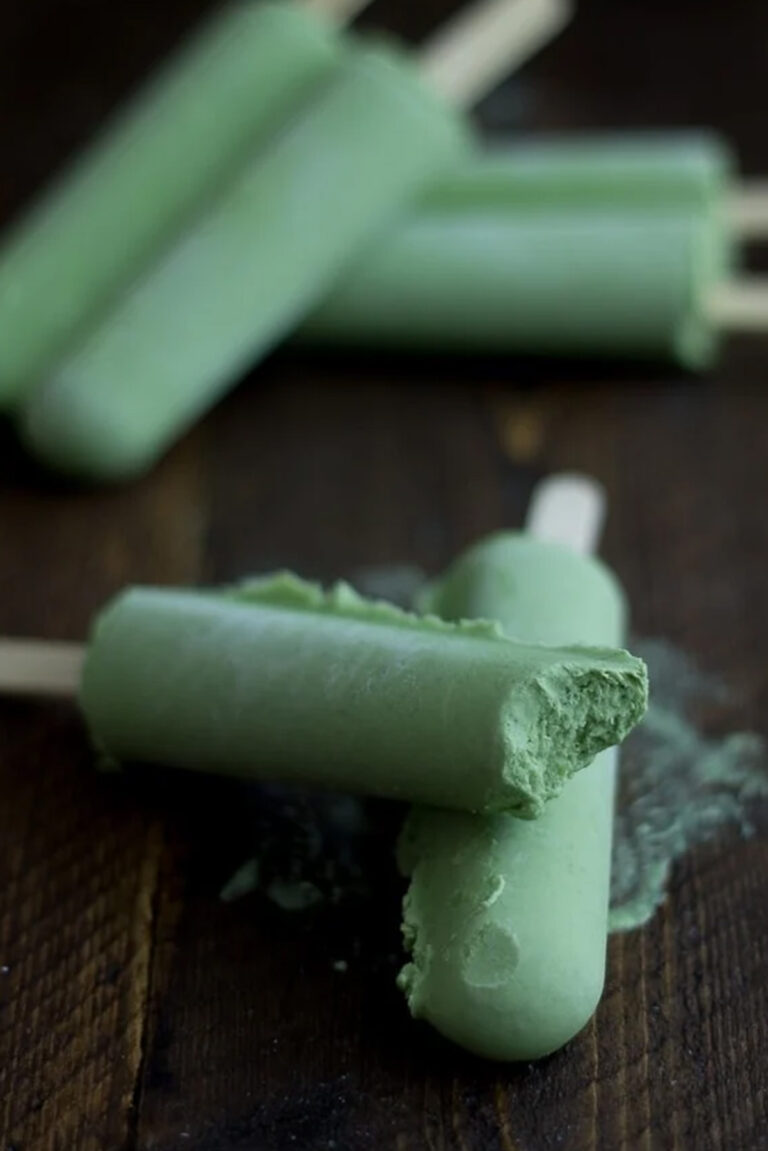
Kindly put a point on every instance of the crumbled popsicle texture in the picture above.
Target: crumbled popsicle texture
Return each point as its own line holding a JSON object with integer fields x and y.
{"x": 506, "y": 920}
{"x": 557, "y": 249}
{"x": 139, "y": 183}
{"x": 279, "y": 680}
{"x": 248, "y": 271}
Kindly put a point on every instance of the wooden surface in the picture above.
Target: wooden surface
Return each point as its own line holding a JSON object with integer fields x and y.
{"x": 139, "y": 1012}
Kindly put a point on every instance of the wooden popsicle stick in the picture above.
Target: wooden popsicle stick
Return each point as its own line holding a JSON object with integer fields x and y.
{"x": 740, "y": 305}
{"x": 40, "y": 667}
{"x": 747, "y": 209}
{"x": 485, "y": 42}
{"x": 568, "y": 509}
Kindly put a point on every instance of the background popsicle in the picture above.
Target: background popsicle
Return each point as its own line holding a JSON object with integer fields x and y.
{"x": 507, "y": 922}
{"x": 595, "y": 282}
{"x": 602, "y": 170}
{"x": 601, "y": 246}
{"x": 142, "y": 180}
{"x": 372, "y": 138}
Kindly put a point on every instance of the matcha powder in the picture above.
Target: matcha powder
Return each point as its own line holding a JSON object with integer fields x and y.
{"x": 679, "y": 787}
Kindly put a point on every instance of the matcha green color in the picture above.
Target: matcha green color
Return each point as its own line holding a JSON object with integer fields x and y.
{"x": 614, "y": 282}
{"x": 563, "y": 246}
{"x": 279, "y": 680}
{"x": 647, "y": 170}
{"x": 143, "y": 178}
{"x": 248, "y": 271}
{"x": 506, "y": 921}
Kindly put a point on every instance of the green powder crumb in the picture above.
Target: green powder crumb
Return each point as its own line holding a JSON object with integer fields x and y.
{"x": 294, "y": 894}
{"x": 243, "y": 882}
{"x": 679, "y": 786}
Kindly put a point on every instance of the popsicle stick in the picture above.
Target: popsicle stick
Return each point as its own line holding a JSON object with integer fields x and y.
{"x": 740, "y": 305}
{"x": 748, "y": 209}
{"x": 487, "y": 41}
{"x": 39, "y": 667}
{"x": 568, "y": 509}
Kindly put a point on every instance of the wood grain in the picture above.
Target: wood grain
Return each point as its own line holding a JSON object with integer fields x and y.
{"x": 80, "y": 856}
{"x": 137, "y": 1012}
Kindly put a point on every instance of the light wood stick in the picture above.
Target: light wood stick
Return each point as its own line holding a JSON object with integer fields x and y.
{"x": 568, "y": 509}
{"x": 486, "y": 42}
{"x": 740, "y": 305}
{"x": 39, "y": 667}
{"x": 747, "y": 209}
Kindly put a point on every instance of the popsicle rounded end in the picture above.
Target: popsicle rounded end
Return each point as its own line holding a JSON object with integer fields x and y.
{"x": 490, "y": 998}
{"x": 80, "y": 440}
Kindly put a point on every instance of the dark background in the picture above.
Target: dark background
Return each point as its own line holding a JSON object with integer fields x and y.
{"x": 136, "y": 1010}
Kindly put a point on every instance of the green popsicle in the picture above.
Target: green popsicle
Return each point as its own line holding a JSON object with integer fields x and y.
{"x": 583, "y": 282}
{"x": 583, "y": 246}
{"x": 246, "y": 273}
{"x": 142, "y": 180}
{"x": 279, "y": 680}
{"x": 648, "y": 170}
{"x": 506, "y": 920}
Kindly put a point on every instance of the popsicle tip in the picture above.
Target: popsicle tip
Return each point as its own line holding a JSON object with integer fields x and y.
{"x": 88, "y": 441}
{"x": 483, "y": 989}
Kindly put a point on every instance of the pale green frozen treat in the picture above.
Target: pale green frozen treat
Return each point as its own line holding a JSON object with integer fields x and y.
{"x": 565, "y": 246}
{"x": 617, "y": 282}
{"x": 141, "y": 181}
{"x": 279, "y": 680}
{"x": 245, "y": 275}
{"x": 506, "y": 921}
{"x": 648, "y": 170}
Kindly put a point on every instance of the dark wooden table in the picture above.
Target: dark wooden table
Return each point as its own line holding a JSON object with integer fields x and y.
{"x": 139, "y": 1012}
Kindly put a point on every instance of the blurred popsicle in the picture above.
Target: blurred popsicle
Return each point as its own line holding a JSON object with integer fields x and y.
{"x": 143, "y": 178}
{"x": 596, "y": 170}
{"x": 612, "y": 246}
{"x": 506, "y": 921}
{"x": 373, "y": 136}
{"x": 279, "y": 680}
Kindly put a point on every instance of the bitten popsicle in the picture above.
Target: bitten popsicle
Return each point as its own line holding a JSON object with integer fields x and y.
{"x": 376, "y": 134}
{"x": 143, "y": 179}
{"x": 278, "y": 680}
{"x": 506, "y": 921}
{"x": 592, "y": 247}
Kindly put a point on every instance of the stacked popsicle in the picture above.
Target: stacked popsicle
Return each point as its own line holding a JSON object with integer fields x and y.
{"x": 506, "y": 921}
{"x": 615, "y": 245}
{"x": 173, "y": 257}
{"x": 145, "y": 178}
{"x": 275, "y": 679}
{"x": 303, "y": 186}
